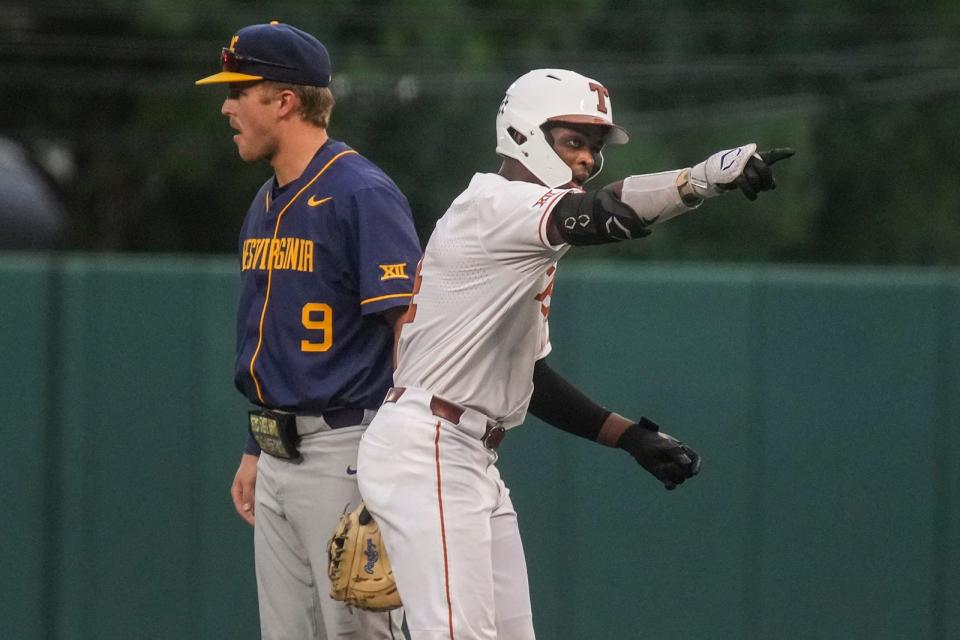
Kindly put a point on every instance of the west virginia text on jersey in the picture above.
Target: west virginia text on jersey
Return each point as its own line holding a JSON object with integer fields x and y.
{"x": 293, "y": 254}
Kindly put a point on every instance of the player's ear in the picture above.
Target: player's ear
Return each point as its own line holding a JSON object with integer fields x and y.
{"x": 288, "y": 102}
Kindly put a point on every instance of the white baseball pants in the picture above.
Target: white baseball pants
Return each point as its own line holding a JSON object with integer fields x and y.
{"x": 447, "y": 522}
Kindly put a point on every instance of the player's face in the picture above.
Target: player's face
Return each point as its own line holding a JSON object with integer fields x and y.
{"x": 578, "y": 147}
{"x": 250, "y": 109}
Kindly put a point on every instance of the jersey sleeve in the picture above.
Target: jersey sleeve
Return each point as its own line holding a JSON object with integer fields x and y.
{"x": 513, "y": 219}
{"x": 387, "y": 250}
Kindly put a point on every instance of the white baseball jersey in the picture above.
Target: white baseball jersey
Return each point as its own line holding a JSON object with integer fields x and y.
{"x": 478, "y": 319}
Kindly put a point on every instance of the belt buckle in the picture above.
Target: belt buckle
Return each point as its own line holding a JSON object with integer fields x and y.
{"x": 493, "y": 437}
{"x": 276, "y": 433}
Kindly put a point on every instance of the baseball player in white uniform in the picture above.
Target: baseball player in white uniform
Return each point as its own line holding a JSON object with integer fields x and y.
{"x": 471, "y": 354}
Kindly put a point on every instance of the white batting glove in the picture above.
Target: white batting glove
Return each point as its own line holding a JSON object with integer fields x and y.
{"x": 716, "y": 174}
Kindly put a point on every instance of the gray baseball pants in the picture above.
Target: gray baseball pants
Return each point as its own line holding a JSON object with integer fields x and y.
{"x": 298, "y": 505}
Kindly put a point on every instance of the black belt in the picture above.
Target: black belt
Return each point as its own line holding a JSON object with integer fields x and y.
{"x": 339, "y": 418}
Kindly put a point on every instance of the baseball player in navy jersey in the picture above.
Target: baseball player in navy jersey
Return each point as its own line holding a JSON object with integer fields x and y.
{"x": 472, "y": 352}
{"x": 326, "y": 254}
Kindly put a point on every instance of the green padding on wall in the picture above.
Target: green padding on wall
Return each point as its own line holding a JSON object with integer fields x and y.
{"x": 850, "y": 376}
{"x": 136, "y": 449}
{"x": 26, "y": 320}
{"x": 225, "y": 568}
{"x": 675, "y": 346}
{"x": 947, "y": 553}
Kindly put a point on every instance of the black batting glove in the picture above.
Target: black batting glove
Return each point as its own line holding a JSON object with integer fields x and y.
{"x": 757, "y": 175}
{"x": 666, "y": 458}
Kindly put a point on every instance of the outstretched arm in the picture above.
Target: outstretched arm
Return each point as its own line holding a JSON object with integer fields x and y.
{"x": 561, "y": 405}
{"x": 626, "y": 209}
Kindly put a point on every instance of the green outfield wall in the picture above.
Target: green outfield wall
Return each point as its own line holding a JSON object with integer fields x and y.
{"x": 825, "y": 403}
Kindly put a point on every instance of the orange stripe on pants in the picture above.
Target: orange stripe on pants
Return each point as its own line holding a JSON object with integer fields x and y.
{"x": 443, "y": 531}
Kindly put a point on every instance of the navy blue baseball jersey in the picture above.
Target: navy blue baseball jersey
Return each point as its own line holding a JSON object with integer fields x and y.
{"x": 319, "y": 259}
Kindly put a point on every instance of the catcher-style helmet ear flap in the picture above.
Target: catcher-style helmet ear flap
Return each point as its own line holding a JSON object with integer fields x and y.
{"x": 556, "y": 96}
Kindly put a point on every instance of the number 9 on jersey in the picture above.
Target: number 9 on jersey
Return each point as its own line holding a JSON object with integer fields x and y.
{"x": 317, "y": 316}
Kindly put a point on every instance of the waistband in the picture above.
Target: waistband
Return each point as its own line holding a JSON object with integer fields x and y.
{"x": 488, "y": 431}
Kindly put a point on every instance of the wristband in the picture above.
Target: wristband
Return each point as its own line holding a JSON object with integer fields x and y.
{"x": 685, "y": 188}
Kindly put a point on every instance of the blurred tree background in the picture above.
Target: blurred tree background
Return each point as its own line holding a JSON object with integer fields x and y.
{"x": 101, "y": 95}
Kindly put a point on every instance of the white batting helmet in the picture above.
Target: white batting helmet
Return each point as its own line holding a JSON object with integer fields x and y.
{"x": 542, "y": 96}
